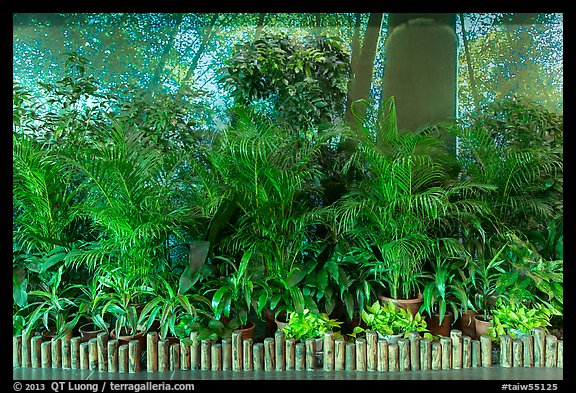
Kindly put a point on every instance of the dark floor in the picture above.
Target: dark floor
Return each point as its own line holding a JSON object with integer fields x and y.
{"x": 495, "y": 373}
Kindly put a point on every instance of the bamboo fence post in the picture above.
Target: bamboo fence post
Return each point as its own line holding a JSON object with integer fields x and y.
{"x": 350, "y": 357}
{"x": 152, "y": 352}
{"x": 290, "y": 353}
{"x": 414, "y": 338}
{"x": 269, "y": 355}
{"x": 75, "y": 353}
{"x": 175, "y": 356}
{"x": 371, "y": 351}
{"x": 456, "y": 337}
{"x": 194, "y": 352}
{"x": 404, "y": 354}
{"x": 466, "y": 351}
{"x": 46, "y": 353}
{"x": 216, "y": 357}
{"x": 300, "y": 357}
{"x": 280, "y": 350}
{"x": 517, "y": 353}
{"x": 446, "y": 346}
{"x": 476, "y": 354}
{"x": 328, "y": 348}
{"x": 102, "y": 341}
{"x": 340, "y": 354}
{"x": 123, "y": 358}
{"x": 360, "y": 354}
{"x": 486, "y": 350}
{"x": 17, "y": 351}
{"x": 26, "y": 359}
{"x": 393, "y": 362}
{"x": 113, "y": 355}
{"x": 133, "y": 356}
{"x": 247, "y": 356}
{"x": 56, "y": 353}
{"x": 505, "y": 351}
{"x": 227, "y": 354}
{"x": 184, "y": 356}
{"x": 425, "y": 354}
{"x": 65, "y": 352}
{"x": 163, "y": 355}
{"x": 539, "y": 347}
{"x": 560, "y": 357}
{"x": 436, "y": 355}
{"x": 310, "y": 354}
{"x": 551, "y": 350}
{"x": 528, "y": 347}
{"x": 383, "y": 355}
{"x": 93, "y": 354}
{"x": 205, "y": 351}
{"x": 84, "y": 356}
{"x": 35, "y": 351}
{"x": 258, "y": 350}
{"x": 237, "y": 351}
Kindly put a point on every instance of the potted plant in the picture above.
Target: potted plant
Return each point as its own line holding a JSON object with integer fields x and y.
{"x": 444, "y": 296}
{"x": 517, "y": 319}
{"x": 307, "y": 324}
{"x": 90, "y": 303}
{"x": 389, "y": 321}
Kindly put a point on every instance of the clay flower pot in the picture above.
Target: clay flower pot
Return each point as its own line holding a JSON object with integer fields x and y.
{"x": 408, "y": 304}
{"x": 482, "y": 325}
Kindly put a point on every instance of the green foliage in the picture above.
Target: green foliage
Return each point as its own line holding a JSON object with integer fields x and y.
{"x": 307, "y": 324}
{"x": 484, "y": 277}
{"x": 388, "y": 319}
{"x": 515, "y": 318}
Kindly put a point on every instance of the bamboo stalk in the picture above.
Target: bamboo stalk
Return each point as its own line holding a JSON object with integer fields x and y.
{"x": 517, "y": 353}
{"x": 551, "y": 350}
{"x": 350, "y": 357}
{"x": 26, "y": 358}
{"x": 184, "y": 356}
{"x": 505, "y": 351}
{"x": 248, "y": 354}
{"x": 75, "y": 353}
{"x": 56, "y": 353}
{"x": 269, "y": 355}
{"x": 290, "y": 353}
{"x": 66, "y": 361}
{"x": 310, "y": 354}
{"x": 237, "y": 351}
{"x": 175, "y": 356}
{"x": 476, "y": 354}
{"x": 300, "y": 357}
{"x": 280, "y": 350}
{"x": 46, "y": 354}
{"x": 404, "y": 354}
{"x": 35, "y": 351}
{"x": 226, "y": 354}
{"x": 466, "y": 351}
{"x": 436, "y": 349}
{"x": 152, "y": 352}
{"x": 113, "y": 355}
{"x": 84, "y": 356}
{"x": 216, "y": 357}
{"x": 560, "y": 357}
{"x": 393, "y": 362}
{"x": 93, "y": 353}
{"x": 425, "y": 354}
{"x": 17, "y": 351}
{"x": 486, "y": 350}
{"x": 258, "y": 354}
{"x": 122, "y": 358}
{"x": 456, "y": 337}
{"x": 539, "y": 347}
{"x": 340, "y": 354}
{"x": 414, "y": 338}
{"x": 328, "y": 349}
{"x": 360, "y": 354}
{"x": 194, "y": 352}
{"x": 205, "y": 352}
{"x": 102, "y": 341}
{"x": 383, "y": 355}
{"x": 163, "y": 354}
{"x": 446, "y": 347}
{"x": 528, "y": 346}
{"x": 134, "y": 356}
{"x": 371, "y": 351}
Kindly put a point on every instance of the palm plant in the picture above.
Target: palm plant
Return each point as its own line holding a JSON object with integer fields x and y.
{"x": 407, "y": 204}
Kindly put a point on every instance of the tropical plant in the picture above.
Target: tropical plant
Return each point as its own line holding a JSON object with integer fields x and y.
{"x": 387, "y": 319}
{"x": 515, "y": 318}
{"x": 484, "y": 278}
{"x": 307, "y": 324}
{"x": 208, "y": 328}
{"x": 90, "y": 302}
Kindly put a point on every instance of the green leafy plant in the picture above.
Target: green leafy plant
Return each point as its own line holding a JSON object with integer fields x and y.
{"x": 307, "y": 324}
{"x": 91, "y": 301}
{"x": 514, "y": 318}
{"x": 388, "y": 319}
{"x": 207, "y": 327}
{"x": 484, "y": 277}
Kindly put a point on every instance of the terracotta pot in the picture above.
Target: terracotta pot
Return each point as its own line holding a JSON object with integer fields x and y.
{"x": 124, "y": 338}
{"x": 50, "y": 334}
{"x": 247, "y": 330}
{"x": 482, "y": 325}
{"x": 281, "y": 320}
{"x": 466, "y": 324}
{"x": 89, "y": 331}
{"x": 439, "y": 329}
{"x": 408, "y": 304}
